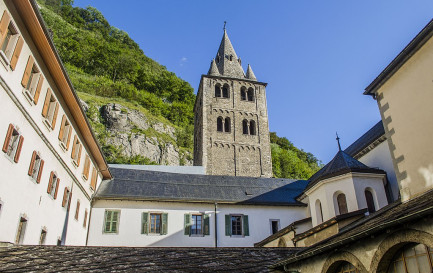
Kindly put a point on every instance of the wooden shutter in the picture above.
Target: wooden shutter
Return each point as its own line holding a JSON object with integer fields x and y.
{"x": 46, "y": 103}
{"x": 114, "y": 221}
{"x": 77, "y": 210}
{"x": 17, "y": 52}
{"x": 108, "y": 214}
{"x": 74, "y": 146}
{"x": 4, "y": 24}
{"x": 94, "y": 179}
{"x": 164, "y": 221}
{"x": 65, "y": 196}
{"x": 57, "y": 188}
{"x": 69, "y": 137}
{"x": 79, "y": 154}
{"x": 86, "y": 167}
{"x": 28, "y": 71}
{"x": 8, "y": 138}
{"x": 38, "y": 88}
{"x": 85, "y": 218}
{"x": 41, "y": 167}
{"x": 69, "y": 200}
{"x": 62, "y": 128}
{"x": 228, "y": 225}
{"x": 32, "y": 164}
{"x": 50, "y": 183}
{"x": 144, "y": 223}
{"x": 246, "y": 226}
{"x": 206, "y": 227}
{"x": 53, "y": 123}
{"x": 18, "y": 152}
{"x": 187, "y": 224}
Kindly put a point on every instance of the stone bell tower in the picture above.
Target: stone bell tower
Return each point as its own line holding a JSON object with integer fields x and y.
{"x": 231, "y": 131}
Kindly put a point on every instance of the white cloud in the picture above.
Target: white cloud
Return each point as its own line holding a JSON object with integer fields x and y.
{"x": 183, "y": 60}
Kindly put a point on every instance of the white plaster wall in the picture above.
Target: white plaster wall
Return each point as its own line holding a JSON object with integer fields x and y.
{"x": 324, "y": 191}
{"x": 375, "y": 182}
{"x": 380, "y": 157}
{"x": 129, "y": 233}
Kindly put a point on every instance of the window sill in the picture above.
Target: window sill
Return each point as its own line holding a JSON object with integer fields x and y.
{"x": 47, "y": 124}
{"x": 28, "y": 96}
{"x": 84, "y": 177}
{"x": 10, "y": 157}
{"x": 237, "y": 236}
{"x": 74, "y": 163}
{"x": 197, "y": 235}
{"x": 4, "y": 60}
{"x": 63, "y": 146}
{"x": 110, "y": 233}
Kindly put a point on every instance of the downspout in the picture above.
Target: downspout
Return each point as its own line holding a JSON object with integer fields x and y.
{"x": 216, "y": 231}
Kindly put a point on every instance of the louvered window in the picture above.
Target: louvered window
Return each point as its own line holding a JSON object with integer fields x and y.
{"x": 111, "y": 221}
{"x": 11, "y": 42}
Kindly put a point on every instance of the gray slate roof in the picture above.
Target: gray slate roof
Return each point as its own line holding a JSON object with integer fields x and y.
{"x": 366, "y": 139}
{"x": 161, "y": 186}
{"x": 130, "y": 259}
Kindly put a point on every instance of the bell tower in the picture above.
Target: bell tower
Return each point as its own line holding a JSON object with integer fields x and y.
{"x": 231, "y": 131}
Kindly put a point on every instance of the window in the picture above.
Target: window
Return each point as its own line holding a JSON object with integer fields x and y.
{"x": 319, "y": 214}
{"x": 275, "y": 226}
{"x": 85, "y": 218}
{"x": 243, "y": 93}
{"x": 217, "y": 90}
{"x": 66, "y": 197}
{"x": 94, "y": 179}
{"x": 43, "y": 237}
{"x": 245, "y": 127}
{"x": 36, "y": 167}
{"x": 77, "y": 210}
{"x": 111, "y": 221}
{"x": 231, "y": 57}
{"x": 227, "y": 125}
{"x": 250, "y": 94}
{"x": 21, "y": 231}
{"x": 10, "y": 41}
{"x": 219, "y": 124}
{"x": 226, "y": 91}
{"x": 76, "y": 151}
{"x": 50, "y": 109}
{"x": 346, "y": 267}
{"x": 370, "y": 201}
{"x": 13, "y": 143}
{"x": 32, "y": 81}
{"x": 53, "y": 185}
{"x": 196, "y": 224}
{"x": 252, "y": 127}
{"x": 412, "y": 258}
{"x": 342, "y": 204}
{"x": 154, "y": 223}
{"x": 86, "y": 167}
{"x": 237, "y": 225}
{"x": 65, "y": 133}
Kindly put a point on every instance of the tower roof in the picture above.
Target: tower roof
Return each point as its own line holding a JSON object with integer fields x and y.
{"x": 227, "y": 61}
{"x": 213, "y": 70}
{"x": 250, "y": 74}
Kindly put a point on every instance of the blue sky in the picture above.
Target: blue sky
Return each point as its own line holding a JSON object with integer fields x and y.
{"x": 317, "y": 56}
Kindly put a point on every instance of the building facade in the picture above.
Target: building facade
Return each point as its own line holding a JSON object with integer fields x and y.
{"x": 231, "y": 131}
{"x": 51, "y": 164}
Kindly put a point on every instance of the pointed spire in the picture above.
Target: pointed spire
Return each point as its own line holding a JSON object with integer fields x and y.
{"x": 338, "y": 141}
{"x": 227, "y": 60}
{"x": 213, "y": 70}
{"x": 250, "y": 74}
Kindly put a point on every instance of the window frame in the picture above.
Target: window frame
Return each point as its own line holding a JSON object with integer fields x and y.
{"x": 240, "y": 225}
{"x": 278, "y": 225}
{"x": 104, "y": 230}
{"x": 201, "y": 229}
{"x": 53, "y": 185}
{"x": 146, "y": 223}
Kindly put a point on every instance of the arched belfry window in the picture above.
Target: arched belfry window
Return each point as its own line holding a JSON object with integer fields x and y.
{"x": 370, "y": 201}
{"x": 219, "y": 124}
{"x": 250, "y": 94}
{"x": 342, "y": 203}
{"x": 218, "y": 90}
{"x": 319, "y": 214}
{"x": 227, "y": 125}
{"x": 226, "y": 91}
{"x": 243, "y": 93}
{"x": 252, "y": 127}
{"x": 245, "y": 127}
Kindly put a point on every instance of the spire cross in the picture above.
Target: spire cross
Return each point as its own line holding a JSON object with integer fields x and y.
{"x": 338, "y": 141}
{"x": 225, "y": 22}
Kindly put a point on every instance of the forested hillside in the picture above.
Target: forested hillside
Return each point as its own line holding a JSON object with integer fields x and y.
{"x": 140, "y": 112}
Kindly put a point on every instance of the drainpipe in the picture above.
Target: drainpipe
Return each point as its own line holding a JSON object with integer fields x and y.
{"x": 216, "y": 231}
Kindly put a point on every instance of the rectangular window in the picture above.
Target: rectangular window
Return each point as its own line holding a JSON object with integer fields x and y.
{"x": 94, "y": 179}
{"x": 36, "y": 166}
{"x": 86, "y": 167}
{"x": 65, "y": 133}
{"x": 43, "y": 237}
{"x": 32, "y": 81}
{"x": 13, "y": 143}
{"x": 66, "y": 197}
{"x": 77, "y": 210}
{"x": 237, "y": 225}
{"x": 154, "y": 223}
{"x": 21, "y": 231}
{"x": 76, "y": 151}
{"x": 10, "y": 41}
{"x": 53, "y": 185}
{"x": 111, "y": 221}
{"x": 85, "y": 218}
{"x": 196, "y": 224}
{"x": 275, "y": 226}
{"x": 50, "y": 109}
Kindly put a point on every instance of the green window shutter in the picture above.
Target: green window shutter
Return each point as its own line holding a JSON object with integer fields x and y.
{"x": 164, "y": 221}
{"x": 228, "y": 225}
{"x": 144, "y": 223}
{"x": 187, "y": 224}
{"x": 107, "y": 221}
{"x": 206, "y": 230}
{"x": 114, "y": 221}
{"x": 246, "y": 228}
